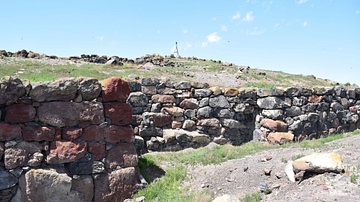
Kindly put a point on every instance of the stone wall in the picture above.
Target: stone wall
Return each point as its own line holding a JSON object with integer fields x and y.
{"x": 203, "y": 114}
{"x": 66, "y": 140}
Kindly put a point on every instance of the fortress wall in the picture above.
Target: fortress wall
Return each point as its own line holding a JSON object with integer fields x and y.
{"x": 66, "y": 140}
{"x": 203, "y": 114}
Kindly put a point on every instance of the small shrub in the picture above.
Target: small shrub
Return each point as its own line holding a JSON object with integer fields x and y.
{"x": 255, "y": 197}
{"x": 353, "y": 178}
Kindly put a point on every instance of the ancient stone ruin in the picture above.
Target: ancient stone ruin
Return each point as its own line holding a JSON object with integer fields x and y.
{"x": 203, "y": 114}
{"x": 82, "y": 137}
{"x": 66, "y": 140}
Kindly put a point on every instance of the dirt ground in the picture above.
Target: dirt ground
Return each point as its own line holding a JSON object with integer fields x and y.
{"x": 244, "y": 176}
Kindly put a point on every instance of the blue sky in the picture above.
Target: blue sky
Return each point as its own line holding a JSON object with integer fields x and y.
{"x": 318, "y": 37}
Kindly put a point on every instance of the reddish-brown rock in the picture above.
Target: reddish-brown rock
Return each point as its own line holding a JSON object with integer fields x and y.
{"x": 315, "y": 98}
{"x": 97, "y": 150}
{"x": 111, "y": 134}
{"x": 163, "y": 98}
{"x": 115, "y": 89}
{"x": 38, "y": 133}
{"x": 19, "y": 154}
{"x": 70, "y": 134}
{"x": 9, "y": 132}
{"x": 174, "y": 111}
{"x": 62, "y": 114}
{"x": 275, "y": 125}
{"x": 161, "y": 120}
{"x": 119, "y": 113}
{"x": 189, "y": 104}
{"x": 20, "y": 113}
{"x": 65, "y": 152}
{"x": 148, "y": 90}
{"x": 117, "y": 185}
{"x": 122, "y": 155}
{"x": 280, "y": 138}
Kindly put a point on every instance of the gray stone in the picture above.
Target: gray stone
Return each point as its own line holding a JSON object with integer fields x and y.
{"x": 293, "y": 92}
{"x": 11, "y": 89}
{"x": 335, "y": 106}
{"x": 84, "y": 186}
{"x": 309, "y": 107}
{"x": 190, "y": 113}
{"x": 182, "y": 85}
{"x": 156, "y": 107}
{"x": 150, "y": 131}
{"x": 202, "y": 93}
{"x": 273, "y": 114}
{"x": 258, "y": 135}
{"x": 19, "y": 154}
{"x": 223, "y": 113}
{"x": 293, "y": 111}
{"x": 149, "y": 81}
{"x": 204, "y": 112}
{"x": 299, "y": 101}
{"x": 134, "y": 86}
{"x": 61, "y": 90}
{"x": 89, "y": 88}
{"x": 219, "y": 101}
{"x": 189, "y": 125}
{"x": 80, "y": 167}
{"x": 340, "y": 91}
{"x": 313, "y": 117}
{"x": 204, "y": 102}
{"x": 244, "y": 108}
{"x": 47, "y": 186}
{"x": 98, "y": 167}
{"x": 323, "y": 106}
{"x": 231, "y": 123}
{"x": 137, "y": 99}
{"x": 7, "y": 180}
{"x": 271, "y": 103}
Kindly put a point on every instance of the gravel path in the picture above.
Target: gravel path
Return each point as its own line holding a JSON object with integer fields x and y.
{"x": 240, "y": 177}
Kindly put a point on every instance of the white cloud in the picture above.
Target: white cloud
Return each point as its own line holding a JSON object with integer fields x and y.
{"x": 224, "y": 28}
{"x": 305, "y": 23}
{"x": 256, "y": 32}
{"x": 277, "y": 25}
{"x": 204, "y": 44}
{"x": 213, "y": 37}
{"x": 100, "y": 38}
{"x": 357, "y": 12}
{"x": 301, "y": 1}
{"x": 185, "y": 31}
{"x": 248, "y": 17}
{"x": 236, "y": 16}
{"x": 187, "y": 45}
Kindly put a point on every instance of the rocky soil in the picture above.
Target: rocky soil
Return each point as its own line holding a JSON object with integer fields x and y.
{"x": 246, "y": 176}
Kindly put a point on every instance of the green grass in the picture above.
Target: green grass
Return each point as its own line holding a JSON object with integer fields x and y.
{"x": 170, "y": 187}
{"x": 297, "y": 156}
{"x": 353, "y": 178}
{"x": 255, "y": 197}
{"x": 319, "y": 143}
{"x": 261, "y": 85}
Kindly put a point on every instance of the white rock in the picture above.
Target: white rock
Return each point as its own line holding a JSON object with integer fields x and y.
{"x": 289, "y": 170}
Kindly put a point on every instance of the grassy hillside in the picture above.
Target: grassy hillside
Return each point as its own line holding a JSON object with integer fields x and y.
{"x": 213, "y": 72}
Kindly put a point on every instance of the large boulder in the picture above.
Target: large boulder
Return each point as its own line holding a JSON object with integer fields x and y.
{"x": 319, "y": 163}
{"x": 62, "y": 114}
{"x": 280, "y": 138}
{"x": 89, "y": 88}
{"x": 11, "y": 89}
{"x": 117, "y": 185}
{"x": 115, "y": 89}
{"x": 62, "y": 90}
{"x": 50, "y": 186}
{"x": 20, "y": 113}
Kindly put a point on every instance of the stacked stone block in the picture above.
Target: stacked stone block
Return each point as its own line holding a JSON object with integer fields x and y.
{"x": 231, "y": 115}
{"x": 66, "y": 140}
